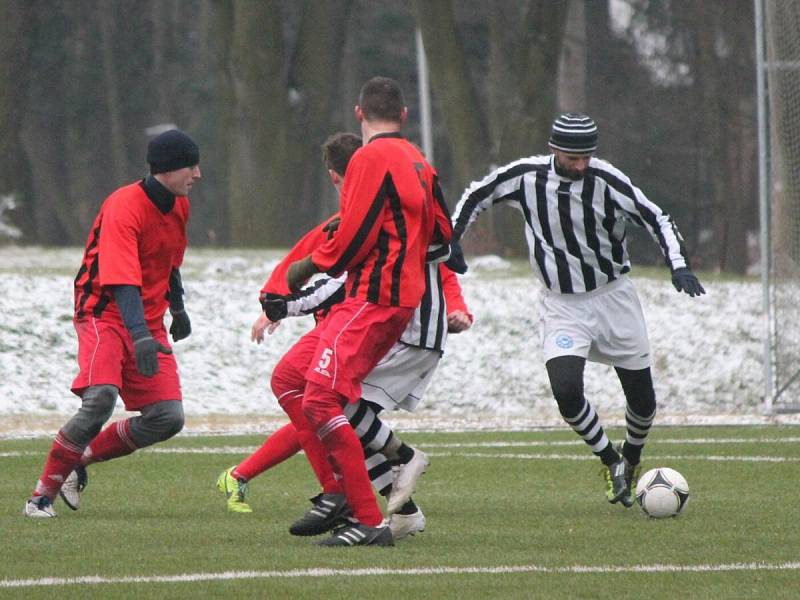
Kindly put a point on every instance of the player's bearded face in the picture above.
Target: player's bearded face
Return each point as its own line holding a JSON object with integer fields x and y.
{"x": 572, "y": 166}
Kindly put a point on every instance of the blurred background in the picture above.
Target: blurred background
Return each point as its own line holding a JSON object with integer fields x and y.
{"x": 260, "y": 84}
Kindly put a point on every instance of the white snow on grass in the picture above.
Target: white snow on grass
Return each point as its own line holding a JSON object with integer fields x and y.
{"x": 708, "y": 351}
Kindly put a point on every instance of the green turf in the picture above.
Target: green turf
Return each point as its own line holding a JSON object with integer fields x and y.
{"x": 159, "y": 514}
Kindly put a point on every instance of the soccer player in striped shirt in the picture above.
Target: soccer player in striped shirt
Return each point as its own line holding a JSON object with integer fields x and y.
{"x": 576, "y": 208}
{"x": 392, "y": 210}
{"x": 129, "y": 277}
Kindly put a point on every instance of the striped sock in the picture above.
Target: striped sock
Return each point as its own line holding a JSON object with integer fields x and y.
{"x": 587, "y": 425}
{"x": 114, "y": 441}
{"x": 637, "y": 428}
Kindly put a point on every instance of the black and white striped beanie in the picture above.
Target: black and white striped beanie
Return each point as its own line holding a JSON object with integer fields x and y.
{"x": 574, "y": 133}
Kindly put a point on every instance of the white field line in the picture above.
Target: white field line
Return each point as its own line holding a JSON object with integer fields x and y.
{"x": 373, "y": 572}
{"x": 519, "y": 444}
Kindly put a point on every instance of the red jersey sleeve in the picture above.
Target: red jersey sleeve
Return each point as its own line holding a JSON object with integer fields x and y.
{"x": 452, "y": 292}
{"x": 276, "y": 284}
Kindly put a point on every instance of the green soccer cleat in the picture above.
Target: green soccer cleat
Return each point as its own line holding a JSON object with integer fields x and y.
{"x": 234, "y": 490}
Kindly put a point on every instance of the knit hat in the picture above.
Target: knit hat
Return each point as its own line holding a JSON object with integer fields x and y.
{"x": 172, "y": 150}
{"x": 574, "y": 133}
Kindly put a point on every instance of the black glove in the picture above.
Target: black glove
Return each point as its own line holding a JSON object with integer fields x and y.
{"x": 299, "y": 272}
{"x": 456, "y": 262}
{"x": 274, "y": 307}
{"x": 181, "y": 327}
{"x": 147, "y": 350}
{"x": 685, "y": 281}
{"x": 331, "y": 226}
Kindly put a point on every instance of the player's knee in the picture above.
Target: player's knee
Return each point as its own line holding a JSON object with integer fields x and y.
{"x": 158, "y": 422}
{"x": 97, "y": 404}
{"x": 285, "y": 380}
{"x": 320, "y": 405}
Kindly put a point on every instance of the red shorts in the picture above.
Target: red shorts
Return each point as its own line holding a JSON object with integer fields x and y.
{"x": 106, "y": 357}
{"x": 353, "y": 338}
{"x": 290, "y": 372}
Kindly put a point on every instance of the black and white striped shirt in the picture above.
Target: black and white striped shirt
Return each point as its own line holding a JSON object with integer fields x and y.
{"x": 427, "y": 328}
{"x": 575, "y": 228}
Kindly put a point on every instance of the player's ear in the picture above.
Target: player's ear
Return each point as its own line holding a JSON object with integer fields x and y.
{"x": 336, "y": 179}
{"x": 359, "y": 113}
{"x": 403, "y": 115}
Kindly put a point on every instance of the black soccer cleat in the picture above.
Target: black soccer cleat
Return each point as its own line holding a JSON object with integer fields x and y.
{"x": 329, "y": 510}
{"x": 359, "y": 535}
{"x": 621, "y": 475}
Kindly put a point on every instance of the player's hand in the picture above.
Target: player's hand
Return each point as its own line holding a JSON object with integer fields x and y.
{"x": 331, "y": 226}
{"x": 686, "y": 281}
{"x": 181, "y": 327}
{"x": 458, "y": 321}
{"x": 262, "y": 324}
{"x": 456, "y": 262}
{"x": 299, "y": 272}
{"x": 147, "y": 349}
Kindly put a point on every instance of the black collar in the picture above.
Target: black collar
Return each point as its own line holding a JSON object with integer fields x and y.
{"x": 158, "y": 194}
{"x": 386, "y": 134}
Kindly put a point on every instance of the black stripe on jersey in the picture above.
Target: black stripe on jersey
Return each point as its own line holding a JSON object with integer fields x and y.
{"x": 438, "y": 195}
{"x": 562, "y": 267}
{"x": 396, "y": 207}
{"x": 356, "y": 278}
{"x": 375, "y": 209}
{"x": 538, "y": 251}
{"x": 374, "y": 288}
{"x": 571, "y": 240}
{"x": 590, "y": 223}
{"x": 93, "y": 270}
{"x": 425, "y": 307}
{"x": 441, "y": 322}
{"x": 610, "y": 209}
{"x": 646, "y": 214}
{"x": 98, "y": 309}
{"x": 482, "y": 192}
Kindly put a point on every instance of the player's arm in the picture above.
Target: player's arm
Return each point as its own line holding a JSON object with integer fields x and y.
{"x": 181, "y": 326}
{"x": 323, "y": 294}
{"x": 498, "y": 186}
{"x": 458, "y": 316}
{"x": 661, "y": 228}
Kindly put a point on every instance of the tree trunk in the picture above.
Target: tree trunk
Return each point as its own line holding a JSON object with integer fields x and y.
{"x": 259, "y": 206}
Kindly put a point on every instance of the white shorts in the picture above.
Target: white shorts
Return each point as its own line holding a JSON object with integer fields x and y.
{"x": 605, "y": 325}
{"x": 400, "y": 379}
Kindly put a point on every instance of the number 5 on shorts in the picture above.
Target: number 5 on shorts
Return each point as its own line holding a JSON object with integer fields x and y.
{"x": 324, "y": 362}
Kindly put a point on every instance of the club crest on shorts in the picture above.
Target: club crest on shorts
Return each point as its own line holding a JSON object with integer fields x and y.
{"x": 564, "y": 341}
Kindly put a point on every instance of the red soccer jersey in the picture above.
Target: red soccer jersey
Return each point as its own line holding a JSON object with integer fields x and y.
{"x": 392, "y": 209}
{"x": 131, "y": 243}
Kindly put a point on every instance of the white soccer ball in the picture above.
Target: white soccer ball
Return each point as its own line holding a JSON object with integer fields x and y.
{"x": 662, "y": 492}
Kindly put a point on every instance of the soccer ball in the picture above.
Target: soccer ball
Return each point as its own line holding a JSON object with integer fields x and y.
{"x": 662, "y": 492}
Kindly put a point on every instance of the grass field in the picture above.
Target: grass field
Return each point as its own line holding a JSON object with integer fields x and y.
{"x": 510, "y": 515}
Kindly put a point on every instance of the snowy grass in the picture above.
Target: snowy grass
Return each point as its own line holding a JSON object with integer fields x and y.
{"x": 708, "y": 351}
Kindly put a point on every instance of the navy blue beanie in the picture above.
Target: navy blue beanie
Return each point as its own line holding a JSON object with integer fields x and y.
{"x": 172, "y": 150}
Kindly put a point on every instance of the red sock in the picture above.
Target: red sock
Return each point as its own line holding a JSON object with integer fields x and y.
{"x": 323, "y": 407}
{"x": 316, "y": 453}
{"x": 64, "y": 456}
{"x": 114, "y": 441}
{"x": 279, "y": 446}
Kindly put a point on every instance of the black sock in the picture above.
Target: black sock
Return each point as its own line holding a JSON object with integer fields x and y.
{"x": 633, "y": 454}
{"x": 406, "y": 453}
{"x": 609, "y": 456}
{"x": 409, "y": 508}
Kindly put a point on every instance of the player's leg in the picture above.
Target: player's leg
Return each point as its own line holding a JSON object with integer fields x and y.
{"x": 278, "y": 446}
{"x": 97, "y": 404}
{"x": 640, "y": 413}
{"x": 383, "y": 450}
{"x": 566, "y": 382}
{"x": 323, "y": 408}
